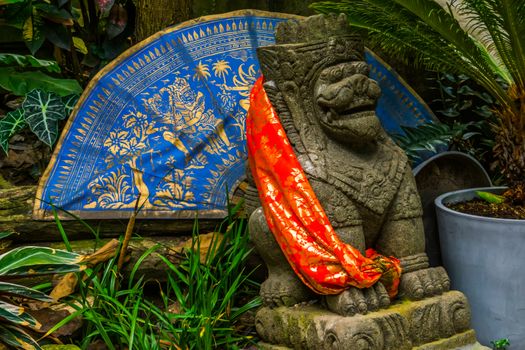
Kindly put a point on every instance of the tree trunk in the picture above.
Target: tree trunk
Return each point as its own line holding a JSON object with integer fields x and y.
{"x": 155, "y": 15}
{"x": 16, "y": 206}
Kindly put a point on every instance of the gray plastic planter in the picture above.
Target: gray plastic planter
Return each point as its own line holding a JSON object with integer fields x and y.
{"x": 485, "y": 259}
{"x": 444, "y": 172}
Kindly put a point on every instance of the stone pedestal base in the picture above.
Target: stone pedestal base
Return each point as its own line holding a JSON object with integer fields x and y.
{"x": 438, "y": 323}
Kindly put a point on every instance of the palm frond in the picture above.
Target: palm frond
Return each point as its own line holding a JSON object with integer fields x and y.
{"x": 496, "y": 28}
{"x": 512, "y": 13}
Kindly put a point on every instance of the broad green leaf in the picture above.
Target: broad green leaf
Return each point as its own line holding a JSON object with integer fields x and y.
{"x": 12, "y": 123}
{"x": 42, "y": 111}
{"x": 50, "y": 269}
{"x": 37, "y": 260}
{"x": 15, "y": 15}
{"x": 58, "y": 35}
{"x": 21, "y": 83}
{"x": 55, "y": 14}
{"x": 32, "y": 33}
{"x": 69, "y": 103}
{"x": 23, "y": 291}
{"x": 5, "y": 234}
{"x": 490, "y": 197}
{"x": 16, "y": 314}
{"x": 11, "y": 59}
{"x": 17, "y": 338}
{"x": 9, "y": 2}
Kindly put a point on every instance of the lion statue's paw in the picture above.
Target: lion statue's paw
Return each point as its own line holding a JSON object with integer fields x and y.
{"x": 284, "y": 290}
{"x": 358, "y": 301}
{"x": 424, "y": 283}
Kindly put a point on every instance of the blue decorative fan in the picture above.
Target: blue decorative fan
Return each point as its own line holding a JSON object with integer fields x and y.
{"x": 163, "y": 124}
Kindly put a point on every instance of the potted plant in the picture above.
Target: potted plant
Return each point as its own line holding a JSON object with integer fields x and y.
{"x": 485, "y": 41}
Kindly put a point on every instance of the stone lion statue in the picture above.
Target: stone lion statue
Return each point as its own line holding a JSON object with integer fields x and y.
{"x": 317, "y": 81}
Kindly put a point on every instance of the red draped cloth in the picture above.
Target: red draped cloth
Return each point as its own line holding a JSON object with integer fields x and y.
{"x": 296, "y": 218}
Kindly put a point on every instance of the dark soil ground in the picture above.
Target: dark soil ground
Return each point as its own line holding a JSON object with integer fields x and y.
{"x": 482, "y": 208}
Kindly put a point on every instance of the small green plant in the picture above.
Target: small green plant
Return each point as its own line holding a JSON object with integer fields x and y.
{"x": 430, "y": 138}
{"x": 490, "y": 197}
{"x": 199, "y": 307}
{"x": 41, "y": 111}
{"x": 117, "y": 316}
{"x": 500, "y": 344}
{"x": 211, "y": 293}
{"x": 47, "y": 100}
{"x": 463, "y": 101}
{"x": 83, "y": 33}
{"x": 25, "y": 261}
{"x": 464, "y": 121}
{"x": 20, "y": 74}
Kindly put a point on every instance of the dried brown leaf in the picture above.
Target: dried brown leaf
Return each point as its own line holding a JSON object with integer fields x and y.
{"x": 105, "y": 253}
{"x": 66, "y": 286}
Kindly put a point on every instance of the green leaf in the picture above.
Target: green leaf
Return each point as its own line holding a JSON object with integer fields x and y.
{"x": 31, "y": 32}
{"x": 17, "y": 315}
{"x": 23, "y": 291}
{"x": 16, "y": 14}
{"x": 426, "y": 137}
{"x": 500, "y": 344}
{"x": 5, "y": 234}
{"x": 9, "y": 2}
{"x": 490, "y": 197}
{"x": 38, "y": 260}
{"x": 55, "y": 14}
{"x": 58, "y": 35}
{"x": 10, "y": 59}
{"x": 80, "y": 45}
{"x": 69, "y": 103}
{"x": 42, "y": 111}
{"x": 21, "y": 83}
{"x": 17, "y": 338}
{"x": 47, "y": 269}
{"x": 12, "y": 123}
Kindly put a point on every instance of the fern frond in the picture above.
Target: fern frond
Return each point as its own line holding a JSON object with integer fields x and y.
{"x": 431, "y": 137}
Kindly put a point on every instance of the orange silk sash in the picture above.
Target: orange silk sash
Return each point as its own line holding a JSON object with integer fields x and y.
{"x": 296, "y": 218}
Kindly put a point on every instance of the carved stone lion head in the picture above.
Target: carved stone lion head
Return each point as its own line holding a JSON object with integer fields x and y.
{"x": 318, "y": 65}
